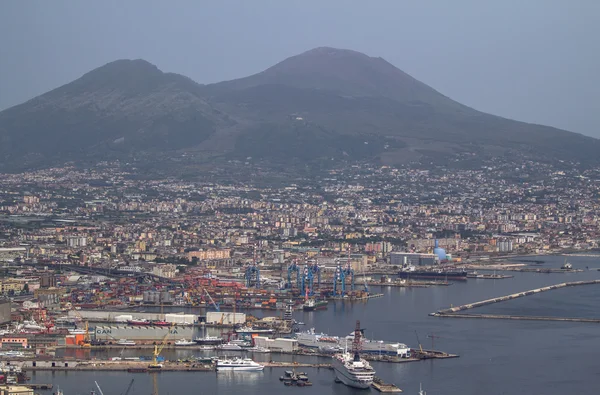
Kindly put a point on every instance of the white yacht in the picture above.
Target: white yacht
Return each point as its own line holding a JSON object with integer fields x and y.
{"x": 230, "y": 347}
{"x": 183, "y": 342}
{"x": 125, "y": 342}
{"x": 239, "y": 364}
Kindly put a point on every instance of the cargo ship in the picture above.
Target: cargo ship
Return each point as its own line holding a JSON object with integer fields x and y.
{"x": 433, "y": 274}
{"x": 312, "y": 304}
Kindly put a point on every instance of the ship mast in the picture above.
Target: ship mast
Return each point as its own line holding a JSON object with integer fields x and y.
{"x": 356, "y": 343}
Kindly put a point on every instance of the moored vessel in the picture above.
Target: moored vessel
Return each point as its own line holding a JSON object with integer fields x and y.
{"x": 350, "y": 368}
{"x": 434, "y": 274}
{"x": 312, "y": 304}
{"x": 209, "y": 340}
{"x": 239, "y": 364}
{"x": 183, "y": 342}
{"x": 125, "y": 342}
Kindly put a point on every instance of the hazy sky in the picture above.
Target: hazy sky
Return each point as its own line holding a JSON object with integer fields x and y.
{"x": 532, "y": 60}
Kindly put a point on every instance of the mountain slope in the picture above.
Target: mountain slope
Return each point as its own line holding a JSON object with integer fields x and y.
{"x": 320, "y": 105}
{"x": 122, "y": 106}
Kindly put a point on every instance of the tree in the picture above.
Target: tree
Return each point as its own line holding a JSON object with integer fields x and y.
{"x": 26, "y": 288}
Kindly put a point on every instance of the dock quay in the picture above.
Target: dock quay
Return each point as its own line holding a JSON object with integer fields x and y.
{"x": 355, "y": 299}
{"x": 451, "y": 312}
{"x": 409, "y": 284}
{"x": 523, "y": 317}
{"x": 382, "y": 386}
{"x": 39, "y": 386}
{"x": 140, "y": 366}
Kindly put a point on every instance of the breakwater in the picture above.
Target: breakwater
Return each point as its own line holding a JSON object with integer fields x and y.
{"x": 457, "y": 311}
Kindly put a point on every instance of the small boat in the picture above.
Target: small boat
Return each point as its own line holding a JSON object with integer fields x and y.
{"x": 161, "y": 323}
{"x": 206, "y": 348}
{"x": 183, "y": 342}
{"x": 138, "y": 322}
{"x": 300, "y": 323}
{"x": 566, "y": 265}
{"x": 259, "y": 349}
{"x": 125, "y": 342}
{"x": 421, "y": 392}
{"x": 230, "y": 347}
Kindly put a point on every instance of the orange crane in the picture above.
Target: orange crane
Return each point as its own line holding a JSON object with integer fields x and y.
{"x": 87, "y": 342}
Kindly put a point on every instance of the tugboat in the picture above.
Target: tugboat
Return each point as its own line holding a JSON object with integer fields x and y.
{"x": 312, "y": 304}
{"x": 566, "y": 265}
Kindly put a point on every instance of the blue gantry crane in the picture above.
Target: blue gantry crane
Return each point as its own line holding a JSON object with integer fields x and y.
{"x": 252, "y": 274}
{"x": 293, "y": 268}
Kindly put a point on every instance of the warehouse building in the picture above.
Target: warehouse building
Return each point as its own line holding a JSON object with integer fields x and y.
{"x": 277, "y": 345}
{"x": 225, "y": 318}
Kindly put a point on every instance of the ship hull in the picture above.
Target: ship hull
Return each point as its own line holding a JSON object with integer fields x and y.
{"x": 240, "y": 368}
{"x": 347, "y": 379}
{"x": 317, "y": 306}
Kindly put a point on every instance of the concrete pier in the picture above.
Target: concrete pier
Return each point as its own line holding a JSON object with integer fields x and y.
{"x": 452, "y": 312}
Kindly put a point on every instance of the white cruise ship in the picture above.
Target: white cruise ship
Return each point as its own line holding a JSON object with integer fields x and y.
{"x": 352, "y": 370}
{"x": 239, "y": 364}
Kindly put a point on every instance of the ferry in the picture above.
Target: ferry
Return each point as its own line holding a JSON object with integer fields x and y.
{"x": 239, "y": 364}
{"x": 329, "y": 344}
{"x": 125, "y": 342}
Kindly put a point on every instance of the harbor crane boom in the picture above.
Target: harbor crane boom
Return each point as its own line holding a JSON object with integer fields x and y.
{"x": 129, "y": 387}
{"x": 419, "y": 341}
{"x": 99, "y": 389}
{"x": 158, "y": 349}
{"x": 211, "y": 300}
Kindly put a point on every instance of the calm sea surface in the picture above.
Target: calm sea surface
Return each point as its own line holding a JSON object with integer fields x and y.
{"x": 496, "y": 356}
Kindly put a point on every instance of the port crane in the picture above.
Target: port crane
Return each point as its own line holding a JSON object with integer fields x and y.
{"x": 419, "y": 341}
{"x": 293, "y": 268}
{"x": 211, "y": 300}
{"x": 99, "y": 389}
{"x": 252, "y": 275}
{"x": 158, "y": 349}
{"x": 87, "y": 342}
{"x": 128, "y": 387}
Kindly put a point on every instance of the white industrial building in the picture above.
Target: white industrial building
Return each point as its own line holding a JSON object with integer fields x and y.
{"x": 225, "y": 318}
{"x": 278, "y": 345}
